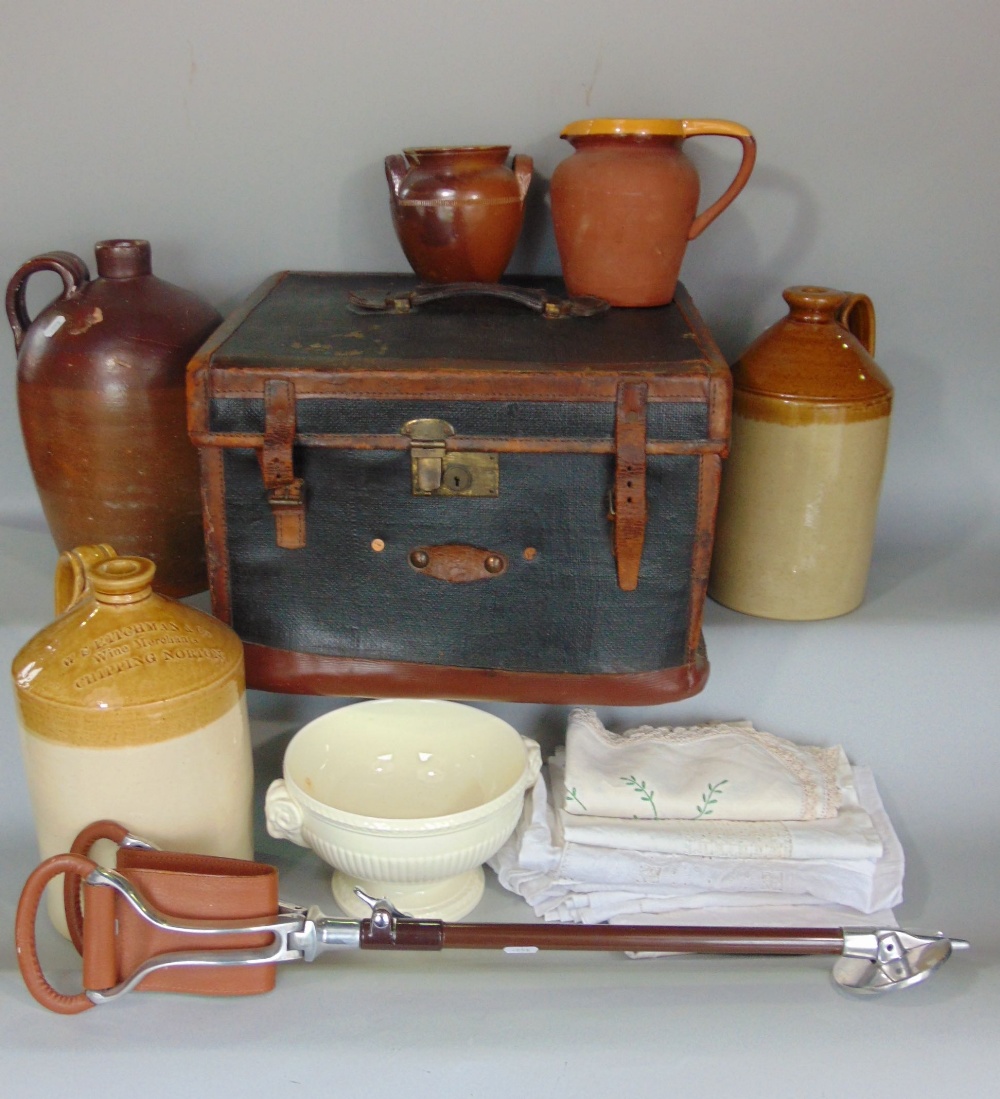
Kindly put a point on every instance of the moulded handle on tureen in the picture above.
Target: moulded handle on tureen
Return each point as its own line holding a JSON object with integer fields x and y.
{"x": 533, "y": 766}
{"x": 283, "y": 816}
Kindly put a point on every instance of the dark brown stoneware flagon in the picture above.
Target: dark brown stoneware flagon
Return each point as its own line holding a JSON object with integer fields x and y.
{"x": 458, "y": 210}
{"x": 100, "y": 389}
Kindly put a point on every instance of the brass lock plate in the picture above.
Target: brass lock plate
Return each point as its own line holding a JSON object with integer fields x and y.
{"x": 464, "y": 474}
{"x": 435, "y": 471}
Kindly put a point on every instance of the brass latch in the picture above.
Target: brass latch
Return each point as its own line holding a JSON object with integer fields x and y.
{"x": 436, "y": 471}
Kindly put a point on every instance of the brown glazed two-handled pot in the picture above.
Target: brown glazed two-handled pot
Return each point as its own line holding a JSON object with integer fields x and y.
{"x": 101, "y": 396}
{"x": 624, "y": 205}
{"x": 458, "y": 210}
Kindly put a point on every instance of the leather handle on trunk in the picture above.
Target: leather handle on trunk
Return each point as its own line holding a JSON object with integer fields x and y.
{"x": 539, "y": 301}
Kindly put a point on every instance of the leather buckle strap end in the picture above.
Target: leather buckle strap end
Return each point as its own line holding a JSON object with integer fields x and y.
{"x": 285, "y": 491}
{"x": 630, "y": 507}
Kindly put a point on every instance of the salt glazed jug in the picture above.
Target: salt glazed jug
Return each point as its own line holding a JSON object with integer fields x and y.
{"x": 624, "y": 204}
{"x": 800, "y": 489}
{"x": 101, "y": 396}
{"x": 132, "y": 707}
{"x": 458, "y": 210}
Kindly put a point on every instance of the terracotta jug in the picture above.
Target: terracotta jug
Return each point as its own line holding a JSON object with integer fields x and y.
{"x": 100, "y": 389}
{"x": 132, "y": 707}
{"x": 800, "y": 488}
{"x": 458, "y": 210}
{"x": 624, "y": 205}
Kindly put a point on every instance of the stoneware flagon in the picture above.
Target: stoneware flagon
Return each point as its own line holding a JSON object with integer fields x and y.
{"x": 132, "y": 707}
{"x": 624, "y": 204}
{"x": 458, "y": 210}
{"x": 101, "y": 396}
{"x": 801, "y": 486}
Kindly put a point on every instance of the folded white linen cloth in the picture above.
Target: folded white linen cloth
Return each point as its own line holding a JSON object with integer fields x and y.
{"x": 849, "y": 835}
{"x": 722, "y": 771}
{"x": 566, "y": 880}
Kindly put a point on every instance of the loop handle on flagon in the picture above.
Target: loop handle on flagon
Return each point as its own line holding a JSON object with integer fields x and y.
{"x": 871, "y": 960}
{"x": 69, "y": 267}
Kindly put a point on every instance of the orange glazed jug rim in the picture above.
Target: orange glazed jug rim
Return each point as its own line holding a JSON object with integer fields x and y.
{"x": 626, "y": 127}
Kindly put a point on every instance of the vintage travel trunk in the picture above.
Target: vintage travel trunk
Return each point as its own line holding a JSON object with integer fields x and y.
{"x": 474, "y": 498}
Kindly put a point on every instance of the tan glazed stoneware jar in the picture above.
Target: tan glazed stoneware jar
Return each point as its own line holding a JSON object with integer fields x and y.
{"x": 132, "y": 707}
{"x": 801, "y": 486}
{"x": 625, "y": 204}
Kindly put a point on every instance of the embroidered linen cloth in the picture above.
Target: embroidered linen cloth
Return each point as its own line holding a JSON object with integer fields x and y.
{"x": 851, "y": 834}
{"x": 567, "y": 880}
{"x": 723, "y": 771}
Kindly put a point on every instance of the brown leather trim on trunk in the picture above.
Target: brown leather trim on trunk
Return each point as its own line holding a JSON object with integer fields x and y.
{"x": 213, "y": 516}
{"x": 199, "y": 369}
{"x": 709, "y": 480}
{"x": 309, "y": 673}
{"x": 720, "y": 382}
{"x": 399, "y": 379}
{"x": 478, "y": 444}
{"x": 630, "y": 481}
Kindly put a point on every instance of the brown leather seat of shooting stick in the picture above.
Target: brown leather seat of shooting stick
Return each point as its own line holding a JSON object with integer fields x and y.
{"x": 115, "y": 940}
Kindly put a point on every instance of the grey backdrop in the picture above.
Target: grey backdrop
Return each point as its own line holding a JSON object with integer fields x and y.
{"x": 246, "y": 138}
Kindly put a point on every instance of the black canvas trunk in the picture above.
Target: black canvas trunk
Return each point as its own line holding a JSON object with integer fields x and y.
{"x": 468, "y": 499}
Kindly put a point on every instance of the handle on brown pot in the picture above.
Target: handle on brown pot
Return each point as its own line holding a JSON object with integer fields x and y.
{"x": 395, "y": 172}
{"x": 718, "y": 127}
{"x": 69, "y": 267}
{"x": 524, "y": 167}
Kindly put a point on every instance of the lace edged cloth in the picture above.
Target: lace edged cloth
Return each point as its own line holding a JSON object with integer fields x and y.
{"x": 721, "y": 771}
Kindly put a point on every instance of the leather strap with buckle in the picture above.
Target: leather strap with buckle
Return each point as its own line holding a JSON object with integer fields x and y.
{"x": 285, "y": 491}
{"x": 629, "y": 499}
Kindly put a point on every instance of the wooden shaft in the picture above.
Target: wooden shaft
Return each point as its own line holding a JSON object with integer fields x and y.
{"x": 690, "y": 940}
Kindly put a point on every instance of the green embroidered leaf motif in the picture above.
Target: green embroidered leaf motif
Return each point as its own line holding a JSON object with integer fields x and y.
{"x": 708, "y": 799}
{"x": 571, "y": 795}
{"x": 645, "y": 794}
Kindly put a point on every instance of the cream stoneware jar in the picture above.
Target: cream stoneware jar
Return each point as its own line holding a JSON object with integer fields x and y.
{"x": 800, "y": 489}
{"x": 132, "y": 707}
{"x": 406, "y": 799}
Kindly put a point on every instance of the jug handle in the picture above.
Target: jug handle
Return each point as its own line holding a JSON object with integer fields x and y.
{"x": 524, "y": 166}
{"x": 69, "y": 267}
{"x": 71, "y": 580}
{"x": 857, "y": 315}
{"x": 717, "y": 127}
{"x": 395, "y": 172}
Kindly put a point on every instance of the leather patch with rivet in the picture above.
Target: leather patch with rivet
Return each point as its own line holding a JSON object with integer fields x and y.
{"x": 458, "y": 564}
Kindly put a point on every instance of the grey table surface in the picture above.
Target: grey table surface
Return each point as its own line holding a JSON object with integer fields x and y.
{"x": 908, "y": 684}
